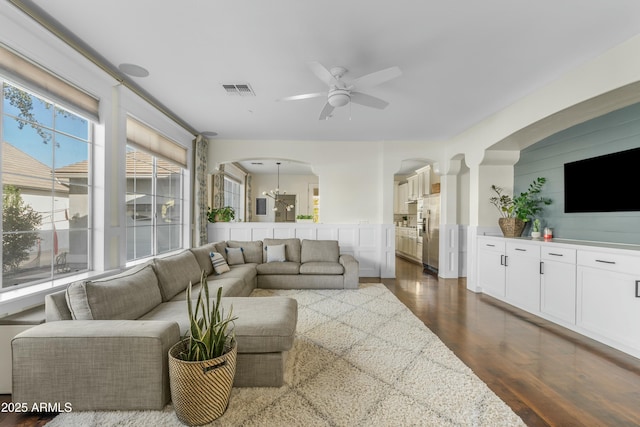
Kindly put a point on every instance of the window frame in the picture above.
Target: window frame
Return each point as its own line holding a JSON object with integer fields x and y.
{"x": 56, "y": 273}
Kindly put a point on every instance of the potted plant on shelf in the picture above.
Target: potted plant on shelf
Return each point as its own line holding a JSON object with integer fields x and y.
{"x": 517, "y": 211}
{"x": 224, "y": 214}
{"x": 202, "y": 366}
{"x": 535, "y": 229}
{"x": 304, "y": 218}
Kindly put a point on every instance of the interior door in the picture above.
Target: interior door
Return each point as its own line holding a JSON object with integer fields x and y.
{"x": 282, "y": 214}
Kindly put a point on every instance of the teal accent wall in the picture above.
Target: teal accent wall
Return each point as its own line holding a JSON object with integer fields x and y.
{"x": 616, "y": 131}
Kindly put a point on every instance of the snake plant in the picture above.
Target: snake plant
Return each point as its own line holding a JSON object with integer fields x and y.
{"x": 209, "y": 335}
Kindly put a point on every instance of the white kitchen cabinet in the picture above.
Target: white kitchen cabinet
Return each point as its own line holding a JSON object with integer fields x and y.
{"x": 491, "y": 266}
{"x": 407, "y": 243}
{"x": 608, "y": 297}
{"x": 558, "y": 283}
{"x": 523, "y": 275}
{"x": 424, "y": 181}
{"x": 412, "y": 183}
{"x": 403, "y": 196}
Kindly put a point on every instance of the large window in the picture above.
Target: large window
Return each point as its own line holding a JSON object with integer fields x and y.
{"x": 46, "y": 189}
{"x": 155, "y": 200}
{"x": 232, "y": 195}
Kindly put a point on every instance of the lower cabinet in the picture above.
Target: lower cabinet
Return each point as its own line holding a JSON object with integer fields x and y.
{"x": 608, "y": 298}
{"x": 558, "y": 284}
{"x": 491, "y": 266}
{"x": 523, "y": 275}
{"x": 592, "y": 290}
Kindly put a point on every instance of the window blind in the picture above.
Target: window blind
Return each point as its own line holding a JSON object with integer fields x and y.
{"x": 28, "y": 74}
{"x": 150, "y": 140}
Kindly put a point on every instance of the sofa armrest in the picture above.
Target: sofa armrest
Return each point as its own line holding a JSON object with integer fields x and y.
{"x": 94, "y": 364}
{"x": 351, "y": 271}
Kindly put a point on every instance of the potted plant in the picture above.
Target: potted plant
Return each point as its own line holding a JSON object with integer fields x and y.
{"x": 224, "y": 214}
{"x": 535, "y": 229}
{"x": 304, "y": 218}
{"x": 518, "y": 210}
{"x": 202, "y": 366}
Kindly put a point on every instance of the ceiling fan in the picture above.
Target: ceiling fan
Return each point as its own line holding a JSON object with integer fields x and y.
{"x": 341, "y": 93}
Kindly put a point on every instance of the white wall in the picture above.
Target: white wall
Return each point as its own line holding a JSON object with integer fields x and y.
{"x": 355, "y": 178}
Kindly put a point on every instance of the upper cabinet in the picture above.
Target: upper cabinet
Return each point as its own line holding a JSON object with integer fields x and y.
{"x": 401, "y": 199}
{"x": 412, "y": 183}
{"x": 423, "y": 179}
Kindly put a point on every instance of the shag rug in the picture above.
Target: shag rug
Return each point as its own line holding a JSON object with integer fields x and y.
{"x": 360, "y": 358}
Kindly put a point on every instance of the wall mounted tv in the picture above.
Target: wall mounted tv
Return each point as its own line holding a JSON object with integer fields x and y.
{"x": 603, "y": 184}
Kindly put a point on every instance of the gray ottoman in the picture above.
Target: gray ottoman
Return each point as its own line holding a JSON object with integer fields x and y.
{"x": 265, "y": 330}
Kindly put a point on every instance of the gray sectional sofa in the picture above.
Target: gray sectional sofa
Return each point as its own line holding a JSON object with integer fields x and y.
{"x": 104, "y": 345}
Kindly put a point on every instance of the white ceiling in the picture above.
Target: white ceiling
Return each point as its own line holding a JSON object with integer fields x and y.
{"x": 461, "y": 60}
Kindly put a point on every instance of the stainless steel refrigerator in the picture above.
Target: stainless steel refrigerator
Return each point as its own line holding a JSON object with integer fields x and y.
{"x": 431, "y": 233}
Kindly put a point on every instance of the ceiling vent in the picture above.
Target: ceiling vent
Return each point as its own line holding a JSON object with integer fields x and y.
{"x": 238, "y": 89}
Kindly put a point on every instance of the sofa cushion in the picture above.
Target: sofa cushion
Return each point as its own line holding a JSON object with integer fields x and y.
{"x": 175, "y": 272}
{"x": 319, "y": 251}
{"x": 235, "y": 256}
{"x": 231, "y": 287}
{"x": 252, "y": 250}
{"x": 264, "y": 324}
{"x": 286, "y": 267}
{"x": 125, "y": 296}
{"x": 321, "y": 268}
{"x": 202, "y": 255}
{"x": 291, "y": 248}
{"x": 218, "y": 262}
{"x": 275, "y": 253}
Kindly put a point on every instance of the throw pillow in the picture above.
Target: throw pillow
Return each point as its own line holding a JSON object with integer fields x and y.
{"x": 275, "y": 253}
{"x": 235, "y": 256}
{"x": 219, "y": 264}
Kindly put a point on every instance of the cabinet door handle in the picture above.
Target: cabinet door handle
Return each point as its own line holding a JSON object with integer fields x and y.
{"x": 541, "y": 267}
{"x": 492, "y": 246}
{"x": 637, "y": 289}
{"x": 521, "y": 250}
{"x": 605, "y": 261}
{"x": 505, "y": 260}
{"x": 501, "y": 259}
{"x": 551, "y": 253}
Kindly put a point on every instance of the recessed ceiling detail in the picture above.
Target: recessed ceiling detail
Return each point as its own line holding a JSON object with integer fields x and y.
{"x": 241, "y": 89}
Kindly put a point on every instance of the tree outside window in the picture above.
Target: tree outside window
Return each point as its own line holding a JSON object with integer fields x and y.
{"x": 46, "y": 185}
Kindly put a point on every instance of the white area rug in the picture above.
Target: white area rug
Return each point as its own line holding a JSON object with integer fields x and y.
{"x": 360, "y": 358}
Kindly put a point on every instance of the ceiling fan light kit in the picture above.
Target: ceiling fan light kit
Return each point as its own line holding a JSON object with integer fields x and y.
{"x": 339, "y": 98}
{"x": 340, "y": 93}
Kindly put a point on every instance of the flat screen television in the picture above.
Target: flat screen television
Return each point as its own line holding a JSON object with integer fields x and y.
{"x": 606, "y": 183}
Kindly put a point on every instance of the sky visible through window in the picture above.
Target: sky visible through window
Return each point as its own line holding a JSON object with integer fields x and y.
{"x": 68, "y": 140}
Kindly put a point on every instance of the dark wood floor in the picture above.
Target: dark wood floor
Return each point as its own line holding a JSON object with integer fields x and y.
{"x": 549, "y": 376}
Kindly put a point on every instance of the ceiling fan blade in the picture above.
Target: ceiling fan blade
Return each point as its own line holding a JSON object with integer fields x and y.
{"x": 368, "y": 100}
{"x": 303, "y": 96}
{"x": 374, "y": 79}
{"x": 326, "y": 112}
{"x": 322, "y": 72}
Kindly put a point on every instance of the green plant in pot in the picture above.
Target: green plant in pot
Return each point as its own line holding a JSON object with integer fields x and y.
{"x": 535, "y": 229}
{"x": 202, "y": 366}
{"x": 223, "y": 214}
{"x": 304, "y": 218}
{"x": 518, "y": 210}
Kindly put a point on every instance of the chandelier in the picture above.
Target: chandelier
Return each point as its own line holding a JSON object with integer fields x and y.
{"x": 275, "y": 195}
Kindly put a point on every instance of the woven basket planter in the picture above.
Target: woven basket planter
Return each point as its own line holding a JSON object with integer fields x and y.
{"x": 511, "y": 227}
{"x": 200, "y": 390}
